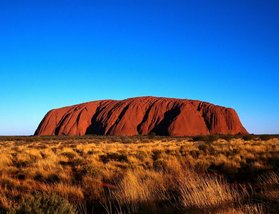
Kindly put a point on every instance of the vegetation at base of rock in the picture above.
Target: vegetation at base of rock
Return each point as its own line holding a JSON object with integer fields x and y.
{"x": 95, "y": 174}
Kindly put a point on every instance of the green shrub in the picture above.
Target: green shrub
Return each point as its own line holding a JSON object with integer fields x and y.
{"x": 206, "y": 138}
{"x": 69, "y": 155}
{"x": 141, "y": 155}
{"x": 159, "y": 164}
{"x": 53, "y": 178}
{"x": 126, "y": 140}
{"x": 156, "y": 154}
{"x": 41, "y": 203}
{"x": 266, "y": 137}
{"x": 200, "y": 138}
{"x": 227, "y": 137}
{"x": 248, "y": 137}
{"x": 114, "y": 157}
{"x": 203, "y": 147}
{"x": 152, "y": 135}
{"x": 212, "y": 138}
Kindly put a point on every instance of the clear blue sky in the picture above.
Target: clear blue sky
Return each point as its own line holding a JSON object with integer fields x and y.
{"x": 57, "y": 53}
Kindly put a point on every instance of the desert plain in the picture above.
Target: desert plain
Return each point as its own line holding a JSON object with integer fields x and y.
{"x": 140, "y": 174}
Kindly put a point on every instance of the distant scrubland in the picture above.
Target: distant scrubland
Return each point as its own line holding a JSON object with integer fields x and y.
{"x": 93, "y": 174}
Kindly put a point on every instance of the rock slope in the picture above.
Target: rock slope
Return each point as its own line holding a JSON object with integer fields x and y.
{"x": 142, "y": 116}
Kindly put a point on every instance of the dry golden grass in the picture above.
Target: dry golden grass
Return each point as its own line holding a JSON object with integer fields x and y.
{"x": 246, "y": 209}
{"x": 205, "y": 192}
{"x": 142, "y": 175}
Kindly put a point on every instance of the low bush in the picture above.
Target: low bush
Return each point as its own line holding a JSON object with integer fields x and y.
{"x": 42, "y": 203}
{"x": 249, "y": 137}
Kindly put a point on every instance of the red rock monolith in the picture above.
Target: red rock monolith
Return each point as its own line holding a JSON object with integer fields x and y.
{"x": 142, "y": 116}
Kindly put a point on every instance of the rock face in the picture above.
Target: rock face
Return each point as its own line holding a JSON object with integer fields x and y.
{"x": 142, "y": 116}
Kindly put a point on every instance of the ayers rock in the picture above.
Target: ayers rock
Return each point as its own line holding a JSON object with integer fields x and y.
{"x": 142, "y": 116}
